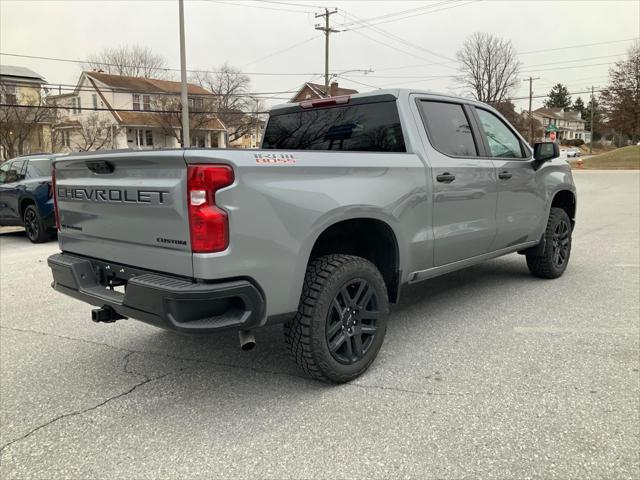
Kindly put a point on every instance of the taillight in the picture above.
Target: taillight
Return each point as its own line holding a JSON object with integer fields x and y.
{"x": 209, "y": 225}
{"x": 326, "y": 102}
{"x": 55, "y": 197}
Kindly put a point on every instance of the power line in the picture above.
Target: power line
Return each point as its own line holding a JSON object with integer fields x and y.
{"x": 69, "y": 60}
{"x": 222, "y": 2}
{"x": 397, "y": 38}
{"x": 394, "y": 14}
{"x": 279, "y": 52}
{"x": 103, "y": 109}
{"x": 521, "y": 53}
{"x": 73, "y": 88}
{"x": 577, "y": 46}
{"x": 424, "y": 13}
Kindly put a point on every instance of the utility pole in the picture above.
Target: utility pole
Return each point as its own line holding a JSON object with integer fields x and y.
{"x": 327, "y": 31}
{"x": 530, "y": 107}
{"x": 592, "y": 109}
{"x": 184, "y": 98}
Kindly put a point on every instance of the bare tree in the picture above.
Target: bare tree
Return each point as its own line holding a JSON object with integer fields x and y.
{"x": 22, "y": 121}
{"x": 489, "y": 67}
{"x": 168, "y": 116}
{"x": 231, "y": 88}
{"x": 621, "y": 98}
{"x": 93, "y": 133}
{"x": 132, "y": 61}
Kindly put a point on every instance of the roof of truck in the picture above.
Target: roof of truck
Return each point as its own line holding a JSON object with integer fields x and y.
{"x": 395, "y": 92}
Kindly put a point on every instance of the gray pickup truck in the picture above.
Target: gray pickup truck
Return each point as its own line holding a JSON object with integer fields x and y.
{"x": 348, "y": 200}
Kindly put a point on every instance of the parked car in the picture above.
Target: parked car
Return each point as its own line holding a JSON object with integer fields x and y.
{"x": 26, "y": 196}
{"x": 349, "y": 199}
{"x": 573, "y": 152}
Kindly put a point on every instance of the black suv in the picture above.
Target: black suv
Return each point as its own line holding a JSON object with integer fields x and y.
{"x": 26, "y": 196}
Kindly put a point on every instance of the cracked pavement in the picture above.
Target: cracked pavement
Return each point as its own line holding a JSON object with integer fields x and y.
{"x": 484, "y": 373}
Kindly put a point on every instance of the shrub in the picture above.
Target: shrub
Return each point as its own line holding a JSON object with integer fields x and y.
{"x": 576, "y": 142}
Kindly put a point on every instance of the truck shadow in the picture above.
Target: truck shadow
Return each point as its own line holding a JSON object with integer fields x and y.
{"x": 420, "y": 307}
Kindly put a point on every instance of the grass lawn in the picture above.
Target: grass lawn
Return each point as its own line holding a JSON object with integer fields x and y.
{"x": 622, "y": 158}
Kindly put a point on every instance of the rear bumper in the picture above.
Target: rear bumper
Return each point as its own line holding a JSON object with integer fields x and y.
{"x": 169, "y": 302}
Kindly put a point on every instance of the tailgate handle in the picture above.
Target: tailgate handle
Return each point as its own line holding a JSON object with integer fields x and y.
{"x": 100, "y": 166}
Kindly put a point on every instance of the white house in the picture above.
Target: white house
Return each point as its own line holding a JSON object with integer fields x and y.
{"x": 116, "y": 111}
{"x": 568, "y": 124}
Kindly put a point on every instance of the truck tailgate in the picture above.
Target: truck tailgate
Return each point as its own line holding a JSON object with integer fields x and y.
{"x": 128, "y": 208}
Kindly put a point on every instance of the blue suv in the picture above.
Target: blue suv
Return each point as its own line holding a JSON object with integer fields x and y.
{"x": 26, "y": 196}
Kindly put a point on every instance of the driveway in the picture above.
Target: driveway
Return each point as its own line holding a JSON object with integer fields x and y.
{"x": 487, "y": 372}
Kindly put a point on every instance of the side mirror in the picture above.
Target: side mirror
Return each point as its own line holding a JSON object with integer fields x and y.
{"x": 545, "y": 151}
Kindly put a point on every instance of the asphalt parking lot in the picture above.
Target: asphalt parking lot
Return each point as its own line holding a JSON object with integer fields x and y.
{"x": 487, "y": 372}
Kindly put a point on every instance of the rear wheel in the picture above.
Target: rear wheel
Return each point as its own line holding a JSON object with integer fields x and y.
{"x": 33, "y": 225}
{"x": 553, "y": 260}
{"x": 341, "y": 320}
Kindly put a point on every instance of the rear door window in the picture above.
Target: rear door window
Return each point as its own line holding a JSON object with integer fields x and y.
{"x": 39, "y": 168}
{"x": 369, "y": 127}
{"x": 448, "y": 128}
{"x": 12, "y": 171}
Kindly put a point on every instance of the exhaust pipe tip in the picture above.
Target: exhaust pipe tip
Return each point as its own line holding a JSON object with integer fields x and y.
{"x": 247, "y": 340}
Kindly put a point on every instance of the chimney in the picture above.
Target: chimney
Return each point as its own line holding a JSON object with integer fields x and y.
{"x": 333, "y": 89}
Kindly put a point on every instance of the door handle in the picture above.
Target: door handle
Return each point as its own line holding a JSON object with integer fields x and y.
{"x": 505, "y": 175}
{"x": 446, "y": 177}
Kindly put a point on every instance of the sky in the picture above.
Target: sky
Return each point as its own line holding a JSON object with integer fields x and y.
{"x": 573, "y": 42}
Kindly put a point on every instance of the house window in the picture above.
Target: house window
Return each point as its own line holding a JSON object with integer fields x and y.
{"x": 76, "y": 105}
{"x": 196, "y": 104}
{"x": 136, "y": 101}
{"x": 198, "y": 140}
{"x": 9, "y": 93}
{"x": 146, "y": 102}
{"x": 94, "y": 98}
{"x": 64, "y": 138}
{"x": 144, "y": 138}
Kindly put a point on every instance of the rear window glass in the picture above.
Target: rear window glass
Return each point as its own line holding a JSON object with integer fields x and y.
{"x": 39, "y": 168}
{"x": 448, "y": 128}
{"x": 370, "y": 127}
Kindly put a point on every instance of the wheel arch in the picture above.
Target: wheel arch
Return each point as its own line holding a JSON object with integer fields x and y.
{"x": 24, "y": 203}
{"x": 371, "y": 238}
{"x": 566, "y": 200}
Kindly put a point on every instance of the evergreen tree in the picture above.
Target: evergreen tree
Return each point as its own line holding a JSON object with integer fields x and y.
{"x": 558, "y": 97}
{"x": 579, "y": 106}
{"x": 597, "y": 118}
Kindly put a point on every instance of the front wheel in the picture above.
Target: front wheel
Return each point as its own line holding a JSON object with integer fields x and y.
{"x": 341, "y": 320}
{"x": 553, "y": 260}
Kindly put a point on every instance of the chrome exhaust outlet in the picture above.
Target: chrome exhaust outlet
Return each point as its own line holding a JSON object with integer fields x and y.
{"x": 247, "y": 340}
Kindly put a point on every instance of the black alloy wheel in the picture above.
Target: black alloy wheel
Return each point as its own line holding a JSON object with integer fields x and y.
{"x": 31, "y": 223}
{"x": 551, "y": 258}
{"x": 34, "y": 227}
{"x": 351, "y": 321}
{"x": 341, "y": 320}
{"x": 560, "y": 243}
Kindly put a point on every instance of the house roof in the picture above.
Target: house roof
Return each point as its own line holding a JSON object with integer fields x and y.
{"x": 559, "y": 113}
{"x": 322, "y": 92}
{"x": 145, "y": 85}
{"x": 150, "y": 119}
{"x": 22, "y": 73}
